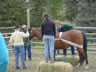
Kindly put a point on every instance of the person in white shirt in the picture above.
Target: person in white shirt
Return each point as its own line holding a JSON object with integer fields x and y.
{"x": 16, "y": 40}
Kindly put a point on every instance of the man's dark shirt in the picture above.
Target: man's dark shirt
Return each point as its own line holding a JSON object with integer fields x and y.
{"x": 48, "y": 28}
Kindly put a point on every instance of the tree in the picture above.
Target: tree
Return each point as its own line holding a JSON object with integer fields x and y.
{"x": 86, "y": 13}
{"x": 81, "y": 12}
{"x": 36, "y": 13}
{"x": 54, "y": 7}
{"x": 12, "y": 12}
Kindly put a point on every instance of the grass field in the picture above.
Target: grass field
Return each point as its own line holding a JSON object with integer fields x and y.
{"x": 38, "y": 55}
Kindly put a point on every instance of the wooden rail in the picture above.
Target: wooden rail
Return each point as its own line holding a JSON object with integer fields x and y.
{"x": 83, "y": 28}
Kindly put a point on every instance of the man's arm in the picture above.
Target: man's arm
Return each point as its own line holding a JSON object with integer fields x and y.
{"x": 25, "y": 34}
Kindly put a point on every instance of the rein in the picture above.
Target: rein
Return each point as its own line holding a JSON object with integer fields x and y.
{"x": 68, "y": 42}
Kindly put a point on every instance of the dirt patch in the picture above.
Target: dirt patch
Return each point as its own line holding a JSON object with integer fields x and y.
{"x": 38, "y": 55}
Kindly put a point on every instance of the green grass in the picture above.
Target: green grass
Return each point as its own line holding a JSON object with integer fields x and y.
{"x": 41, "y": 45}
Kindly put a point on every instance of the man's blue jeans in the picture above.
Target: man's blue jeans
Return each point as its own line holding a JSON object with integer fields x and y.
{"x": 19, "y": 50}
{"x": 49, "y": 43}
{"x": 58, "y": 51}
{"x": 29, "y": 52}
{"x": 72, "y": 51}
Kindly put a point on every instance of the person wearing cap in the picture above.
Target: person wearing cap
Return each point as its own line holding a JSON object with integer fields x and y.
{"x": 16, "y": 39}
{"x": 27, "y": 43}
{"x": 4, "y": 58}
{"x": 48, "y": 31}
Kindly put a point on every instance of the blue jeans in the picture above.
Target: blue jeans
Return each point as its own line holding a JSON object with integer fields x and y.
{"x": 72, "y": 51}
{"x": 49, "y": 43}
{"x": 29, "y": 52}
{"x": 58, "y": 51}
{"x": 19, "y": 50}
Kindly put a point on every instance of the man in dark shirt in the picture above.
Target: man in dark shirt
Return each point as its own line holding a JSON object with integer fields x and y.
{"x": 48, "y": 31}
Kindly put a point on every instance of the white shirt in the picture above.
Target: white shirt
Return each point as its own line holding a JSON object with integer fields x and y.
{"x": 16, "y": 38}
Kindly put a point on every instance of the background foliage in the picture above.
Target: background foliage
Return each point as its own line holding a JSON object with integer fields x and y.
{"x": 78, "y": 12}
{"x": 12, "y": 12}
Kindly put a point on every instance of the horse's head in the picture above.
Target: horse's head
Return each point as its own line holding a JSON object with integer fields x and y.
{"x": 36, "y": 33}
{"x": 32, "y": 33}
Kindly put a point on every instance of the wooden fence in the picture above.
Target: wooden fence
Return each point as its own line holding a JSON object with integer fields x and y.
{"x": 7, "y": 36}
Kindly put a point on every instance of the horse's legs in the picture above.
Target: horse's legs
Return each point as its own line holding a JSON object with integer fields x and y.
{"x": 79, "y": 60}
{"x": 54, "y": 54}
{"x": 86, "y": 60}
{"x": 49, "y": 52}
{"x": 81, "y": 55}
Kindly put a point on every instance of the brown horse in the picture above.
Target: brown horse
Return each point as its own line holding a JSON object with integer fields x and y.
{"x": 74, "y": 36}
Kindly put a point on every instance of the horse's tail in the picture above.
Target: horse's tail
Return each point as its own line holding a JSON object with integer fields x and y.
{"x": 85, "y": 47}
